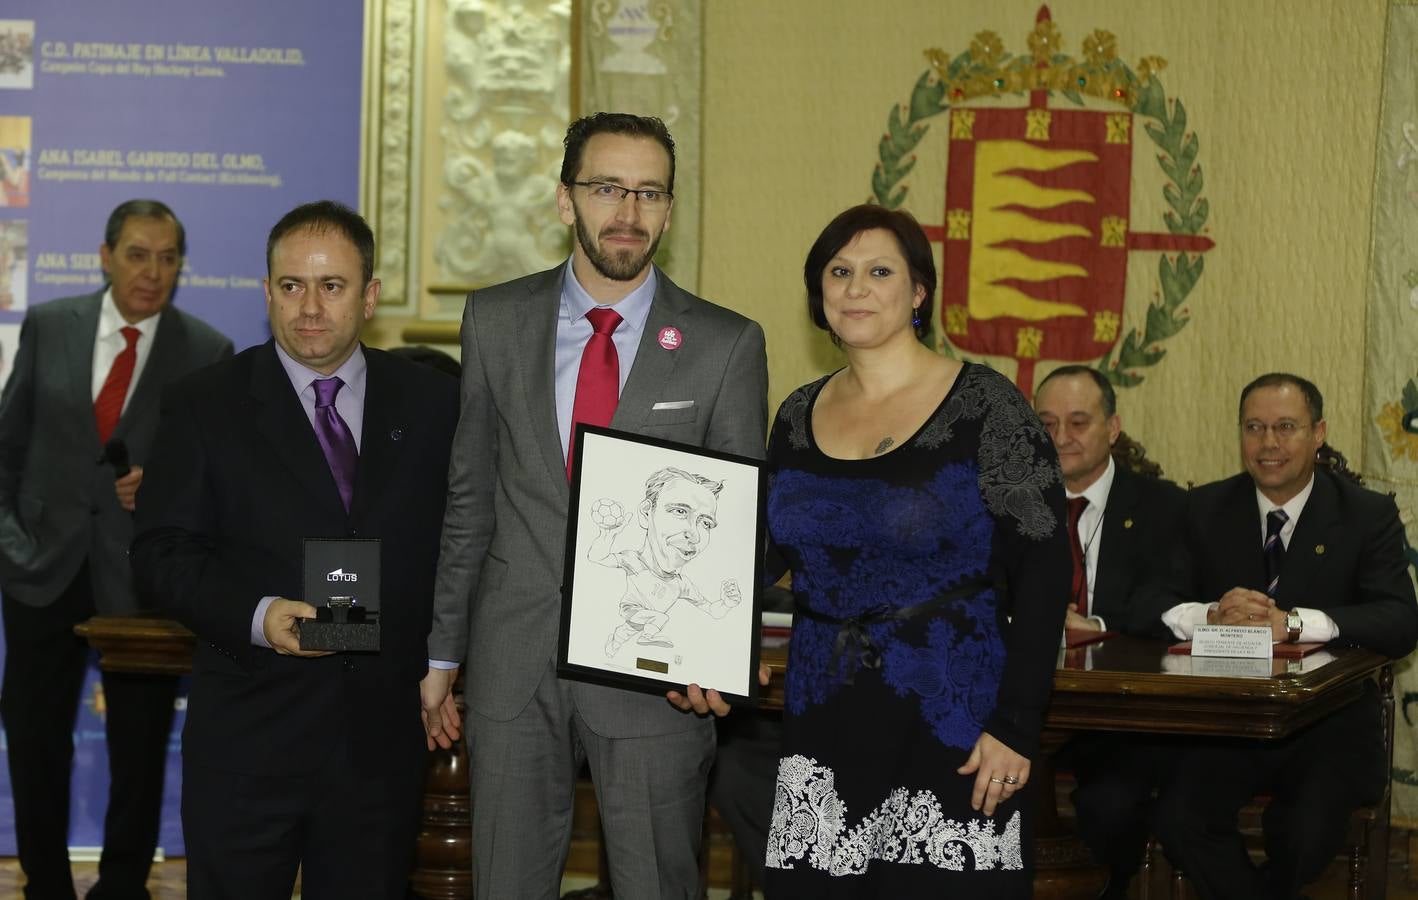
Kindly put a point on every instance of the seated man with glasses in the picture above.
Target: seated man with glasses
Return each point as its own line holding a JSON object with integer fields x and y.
{"x": 1317, "y": 558}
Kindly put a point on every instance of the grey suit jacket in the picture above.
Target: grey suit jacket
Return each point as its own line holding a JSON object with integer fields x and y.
{"x": 57, "y": 503}
{"x": 498, "y": 600}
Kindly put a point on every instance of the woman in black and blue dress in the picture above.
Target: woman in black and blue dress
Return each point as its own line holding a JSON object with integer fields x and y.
{"x": 918, "y": 503}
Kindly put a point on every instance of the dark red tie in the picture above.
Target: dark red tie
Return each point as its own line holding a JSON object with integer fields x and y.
{"x": 109, "y": 405}
{"x": 1078, "y": 593}
{"x": 598, "y": 382}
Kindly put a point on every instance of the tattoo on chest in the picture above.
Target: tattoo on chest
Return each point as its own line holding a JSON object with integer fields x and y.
{"x": 883, "y": 446}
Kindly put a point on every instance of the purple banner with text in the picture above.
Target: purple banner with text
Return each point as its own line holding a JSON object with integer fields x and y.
{"x": 231, "y": 114}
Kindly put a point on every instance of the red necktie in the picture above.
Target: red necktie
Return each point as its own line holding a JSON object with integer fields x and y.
{"x": 109, "y": 405}
{"x": 1078, "y": 593}
{"x": 598, "y": 382}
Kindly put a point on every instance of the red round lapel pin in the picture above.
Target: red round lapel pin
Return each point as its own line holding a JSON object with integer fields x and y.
{"x": 670, "y": 337}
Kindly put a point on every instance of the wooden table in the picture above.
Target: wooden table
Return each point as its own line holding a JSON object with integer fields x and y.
{"x": 1131, "y": 684}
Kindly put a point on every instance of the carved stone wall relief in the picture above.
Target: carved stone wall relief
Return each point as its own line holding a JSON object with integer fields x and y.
{"x": 507, "y": 65}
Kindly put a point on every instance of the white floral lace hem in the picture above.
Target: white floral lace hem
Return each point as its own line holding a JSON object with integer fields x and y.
{"x": 810, "y": 823}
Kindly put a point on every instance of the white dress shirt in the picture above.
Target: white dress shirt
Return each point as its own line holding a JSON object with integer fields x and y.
{"x": 1090, "y": 529}
{"x": 109, "y": 342}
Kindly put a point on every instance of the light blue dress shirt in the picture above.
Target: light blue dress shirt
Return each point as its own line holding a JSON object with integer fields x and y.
{"x": 573, "y": 330}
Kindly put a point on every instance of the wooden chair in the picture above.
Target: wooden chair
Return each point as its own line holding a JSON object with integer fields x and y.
{"x": 1131, "y": 455}
{"x": 1333, "y": 460}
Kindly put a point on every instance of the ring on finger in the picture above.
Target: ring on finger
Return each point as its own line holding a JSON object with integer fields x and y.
{"x": 1010, "y": 779}
{"x": 994, "y": 780}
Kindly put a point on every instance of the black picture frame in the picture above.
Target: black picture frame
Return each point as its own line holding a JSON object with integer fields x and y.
{"x": 631, "y": 616}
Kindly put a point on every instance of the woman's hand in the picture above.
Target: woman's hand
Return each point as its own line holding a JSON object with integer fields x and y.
{"x": 998, "y": 771}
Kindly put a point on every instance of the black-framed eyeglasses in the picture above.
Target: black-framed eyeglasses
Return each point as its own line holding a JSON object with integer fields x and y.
{"x": 612, "y": 194}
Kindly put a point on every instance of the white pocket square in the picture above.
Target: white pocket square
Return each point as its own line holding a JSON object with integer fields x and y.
{"x": 673, "y": 404}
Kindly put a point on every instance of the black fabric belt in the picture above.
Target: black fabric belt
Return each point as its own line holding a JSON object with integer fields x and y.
{"x": 852, "y": 634}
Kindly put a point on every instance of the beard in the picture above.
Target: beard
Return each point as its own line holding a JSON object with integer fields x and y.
{"x": 624, "y": 265}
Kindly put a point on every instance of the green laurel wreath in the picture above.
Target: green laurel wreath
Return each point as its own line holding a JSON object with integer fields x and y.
{"x": 905, "y": 127}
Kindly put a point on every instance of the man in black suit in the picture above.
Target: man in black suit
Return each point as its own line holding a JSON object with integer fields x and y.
{"x": 1127, "y": 522}
{"x": 1317, "y": 558}
{"x": 76, "y": 424}
{"x": 1122, "y": 526}
{"x": 293, "y": 757}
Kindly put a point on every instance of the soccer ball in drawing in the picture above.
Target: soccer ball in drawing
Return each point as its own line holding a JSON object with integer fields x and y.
{"x": 607, "y": 514}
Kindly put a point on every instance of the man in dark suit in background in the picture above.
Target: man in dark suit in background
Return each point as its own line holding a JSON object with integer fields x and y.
{"x": 1122, "y": 526}
{"x": 607, "y": 339}
{"x": 1316, "y": 558}
{"x": 295, "y": 757}
{"x": 76, "y": 424}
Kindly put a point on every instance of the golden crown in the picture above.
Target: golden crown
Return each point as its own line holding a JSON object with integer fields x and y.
{"x": 988, "y": 70}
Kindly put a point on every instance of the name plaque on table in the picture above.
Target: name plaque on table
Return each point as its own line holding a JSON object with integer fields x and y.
{"x": 1234, "y": 641}
{"x": 342, "y": 583}
{"x": 1234, "y": 667}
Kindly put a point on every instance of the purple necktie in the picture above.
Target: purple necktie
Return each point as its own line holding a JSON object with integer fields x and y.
{"x": 335, "y": 438}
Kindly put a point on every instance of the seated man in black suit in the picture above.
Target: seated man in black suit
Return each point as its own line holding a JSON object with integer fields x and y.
{"x": 1317, "y": 558}
{"x": 291, "y": 756}
{"x": 1122, "y": 526}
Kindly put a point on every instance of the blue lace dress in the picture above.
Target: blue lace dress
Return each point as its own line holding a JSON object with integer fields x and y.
{"x": 931, "y": 583}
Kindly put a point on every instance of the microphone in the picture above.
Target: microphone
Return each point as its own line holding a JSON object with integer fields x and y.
{"x": 115, "y": 453}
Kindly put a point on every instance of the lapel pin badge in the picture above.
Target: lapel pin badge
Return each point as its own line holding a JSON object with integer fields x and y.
{"x": 397, "y": 434}
{"x": 1319, "y": 549}
{"x": 670, "y": 337}
{"x": 1127, "y": 523}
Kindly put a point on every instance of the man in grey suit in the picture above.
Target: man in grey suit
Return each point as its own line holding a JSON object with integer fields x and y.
{"x": 76, "y": 420}
{"x": 534, "y": 364}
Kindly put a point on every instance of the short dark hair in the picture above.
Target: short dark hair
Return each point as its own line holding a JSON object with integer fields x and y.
{"x": 1110, "y": 397}
{"x": 1313, "y": 400}
{"x": 142, "y": 209}
{"x": 657, "y": 481}
{"x": 322, "y": 216}
{"x": 852, "y": 222}
{"x": 586, "y": 127}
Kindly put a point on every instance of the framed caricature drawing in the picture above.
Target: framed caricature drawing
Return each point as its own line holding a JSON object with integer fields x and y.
{"x": 660, "y": 588}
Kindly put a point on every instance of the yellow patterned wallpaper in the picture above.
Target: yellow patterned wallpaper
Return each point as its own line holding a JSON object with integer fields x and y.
{"x": 1283, "y": 97}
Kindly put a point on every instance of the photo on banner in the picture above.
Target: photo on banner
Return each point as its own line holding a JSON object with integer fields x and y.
{"x": 16, "y": 54}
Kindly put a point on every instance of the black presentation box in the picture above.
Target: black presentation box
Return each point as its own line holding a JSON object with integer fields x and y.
{"x": 342, "y": 583}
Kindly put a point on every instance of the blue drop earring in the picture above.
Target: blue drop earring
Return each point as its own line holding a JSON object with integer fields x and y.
{"x": 916, "y": 317}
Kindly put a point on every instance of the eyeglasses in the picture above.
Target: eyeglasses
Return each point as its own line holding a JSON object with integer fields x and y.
{"x": 1283, "y": 431}
{"x": 612, "y": 194}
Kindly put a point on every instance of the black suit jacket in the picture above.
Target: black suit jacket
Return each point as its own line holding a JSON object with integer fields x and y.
{"x": 1345, "y": 558}
{"x": 1141, "y": 523}
{"x": 238, "y": 481}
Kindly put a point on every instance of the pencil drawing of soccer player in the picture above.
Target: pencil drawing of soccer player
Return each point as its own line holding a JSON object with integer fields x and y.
{"x": 678, "y": 515}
